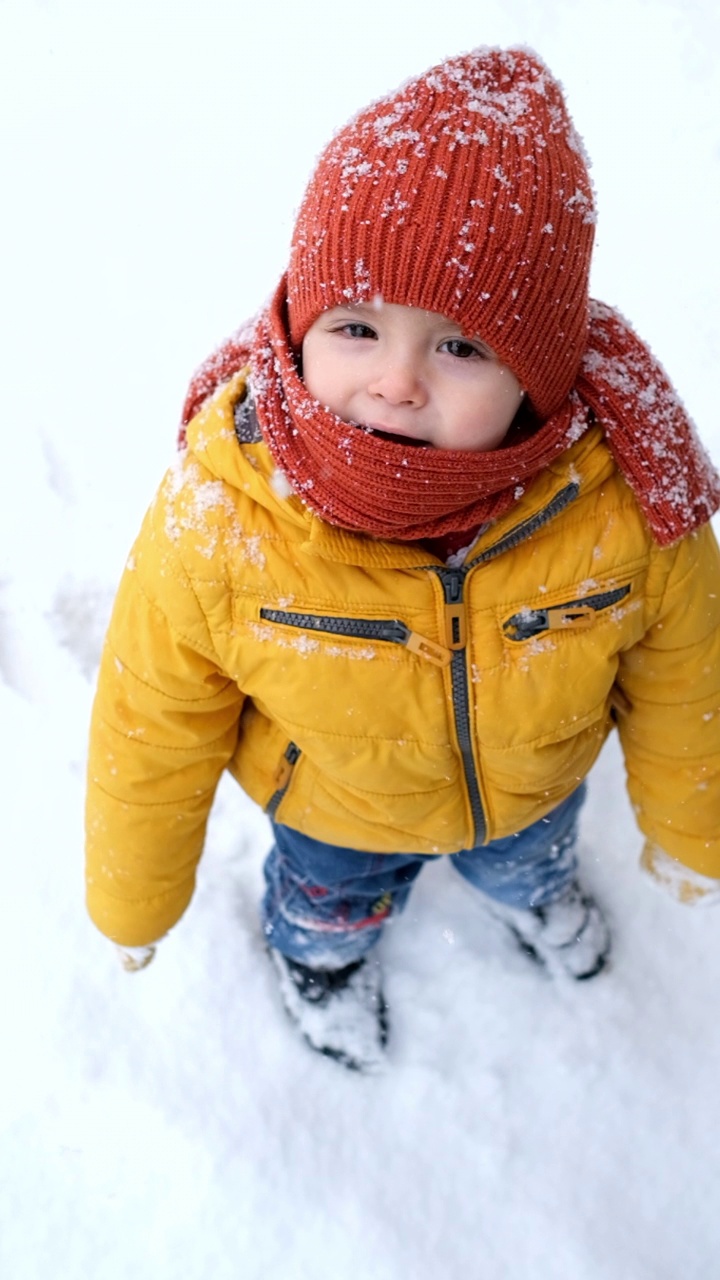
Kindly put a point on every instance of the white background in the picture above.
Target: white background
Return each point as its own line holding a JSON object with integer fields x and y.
{"x": 168, "y": 1124}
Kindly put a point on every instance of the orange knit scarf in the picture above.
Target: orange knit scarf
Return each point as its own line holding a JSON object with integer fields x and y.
{"x": 369, "y": 485}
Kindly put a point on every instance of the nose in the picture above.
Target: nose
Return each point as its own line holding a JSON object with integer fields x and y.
{"x": 397, "y": 381}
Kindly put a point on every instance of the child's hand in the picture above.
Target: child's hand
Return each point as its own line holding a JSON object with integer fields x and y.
{"x": 133, "y": 959}
{"x": 685, "y": 885}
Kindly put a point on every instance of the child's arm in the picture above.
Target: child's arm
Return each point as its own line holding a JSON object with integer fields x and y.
{"x": 671, "y": 735}
{"x": 164, "y": 725}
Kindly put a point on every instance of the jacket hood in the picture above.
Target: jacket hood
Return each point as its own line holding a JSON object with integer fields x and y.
{"x": 248, "y": 467}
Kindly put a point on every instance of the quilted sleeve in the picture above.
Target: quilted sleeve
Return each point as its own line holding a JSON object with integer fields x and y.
{"x": 671, "y": 731}
{"x": 164, "y": 725}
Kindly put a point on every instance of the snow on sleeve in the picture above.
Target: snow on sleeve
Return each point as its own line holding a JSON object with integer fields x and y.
{"x": 201, "y": 513}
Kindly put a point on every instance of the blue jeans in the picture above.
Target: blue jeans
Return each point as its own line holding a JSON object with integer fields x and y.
{"x": 326, "y": 905}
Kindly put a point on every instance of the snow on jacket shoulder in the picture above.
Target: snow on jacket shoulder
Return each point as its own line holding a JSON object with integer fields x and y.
{"x": 365, "y": 693}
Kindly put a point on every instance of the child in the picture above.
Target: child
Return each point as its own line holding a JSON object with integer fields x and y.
{"x": 438, "y": 523}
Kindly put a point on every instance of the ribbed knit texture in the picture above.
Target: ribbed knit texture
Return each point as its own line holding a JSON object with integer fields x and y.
{"x": 390, "y": 489}
{"x": 467, "y": 193}
{"x": 378, "y": 487}
{"x": 464, "y": 193}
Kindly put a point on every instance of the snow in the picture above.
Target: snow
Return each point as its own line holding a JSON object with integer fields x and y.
{"x": 168, "y": 1123}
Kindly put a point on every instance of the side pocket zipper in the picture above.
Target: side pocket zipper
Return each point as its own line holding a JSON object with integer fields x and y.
{"x": 283, "y": 776}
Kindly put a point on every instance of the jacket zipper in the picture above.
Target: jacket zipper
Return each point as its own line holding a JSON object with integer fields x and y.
{"x": 392, "y": 630}
{"x": 573, "y": 614}
{"x": 283, "y": 776}
{"x": 453, "y": 585}
{"x": 452, "y": 654}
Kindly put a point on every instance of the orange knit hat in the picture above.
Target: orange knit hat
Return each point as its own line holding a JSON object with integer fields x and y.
{"x": 467, "y": 193}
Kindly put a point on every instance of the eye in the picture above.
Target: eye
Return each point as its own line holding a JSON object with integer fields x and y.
{"x": 461, "y": 349}
{"x": 355, "y": 329}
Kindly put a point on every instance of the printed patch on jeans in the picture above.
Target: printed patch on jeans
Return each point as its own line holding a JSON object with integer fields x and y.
{"x": 382, "y": 906}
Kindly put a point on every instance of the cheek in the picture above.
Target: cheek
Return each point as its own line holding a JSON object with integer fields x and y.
{"x": 326, "y": 379}
{"x": 486, "y": 413}
{"x": 496, "y": 400}
{"x": 505, "y": 397}
{"x": 311, "y": 367}
{"x": 320, "y": 375}
{"x": 508, "y": 385}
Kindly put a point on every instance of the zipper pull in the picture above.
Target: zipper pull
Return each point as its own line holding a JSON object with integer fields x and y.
{"x": 533, "y": 622}
{"x": 578, "y": 617}
{"x": 455, "y": 614}
{"x": 425, "y": 648}
{"x": 420, "y": 645}
{"x": 285, "y": 768}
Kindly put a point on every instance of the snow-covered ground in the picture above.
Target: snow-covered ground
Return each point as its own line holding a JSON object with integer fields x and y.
{"x": 168, "y": 1126}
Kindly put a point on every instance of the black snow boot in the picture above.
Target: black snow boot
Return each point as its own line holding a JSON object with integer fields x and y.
{"x": 570, "y": 936}
{"x": 340, "y": 1012}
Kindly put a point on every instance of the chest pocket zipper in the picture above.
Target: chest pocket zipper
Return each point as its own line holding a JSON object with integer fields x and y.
{"x": 574, "y": 615}
{"x": 392, "y": 630}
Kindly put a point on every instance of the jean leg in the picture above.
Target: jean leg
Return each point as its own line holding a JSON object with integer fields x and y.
{"x": 534, "y": 866}
{"x": 326, "y": 905}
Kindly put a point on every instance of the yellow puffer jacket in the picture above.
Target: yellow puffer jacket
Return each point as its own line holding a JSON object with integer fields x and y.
{"x": 365, "y": 693}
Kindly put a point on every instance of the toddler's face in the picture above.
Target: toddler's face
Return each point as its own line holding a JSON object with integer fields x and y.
{"x": 411, "y": 375}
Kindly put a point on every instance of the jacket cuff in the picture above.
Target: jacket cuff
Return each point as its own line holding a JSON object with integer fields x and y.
{"x": 682, "y": 883}
{"x": 133, "y": 959}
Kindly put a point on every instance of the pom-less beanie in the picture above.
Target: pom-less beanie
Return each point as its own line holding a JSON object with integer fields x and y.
{"x": 467, "y": 193}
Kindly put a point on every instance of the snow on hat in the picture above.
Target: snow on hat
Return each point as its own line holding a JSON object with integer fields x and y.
{"x": 466, "y": 193}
